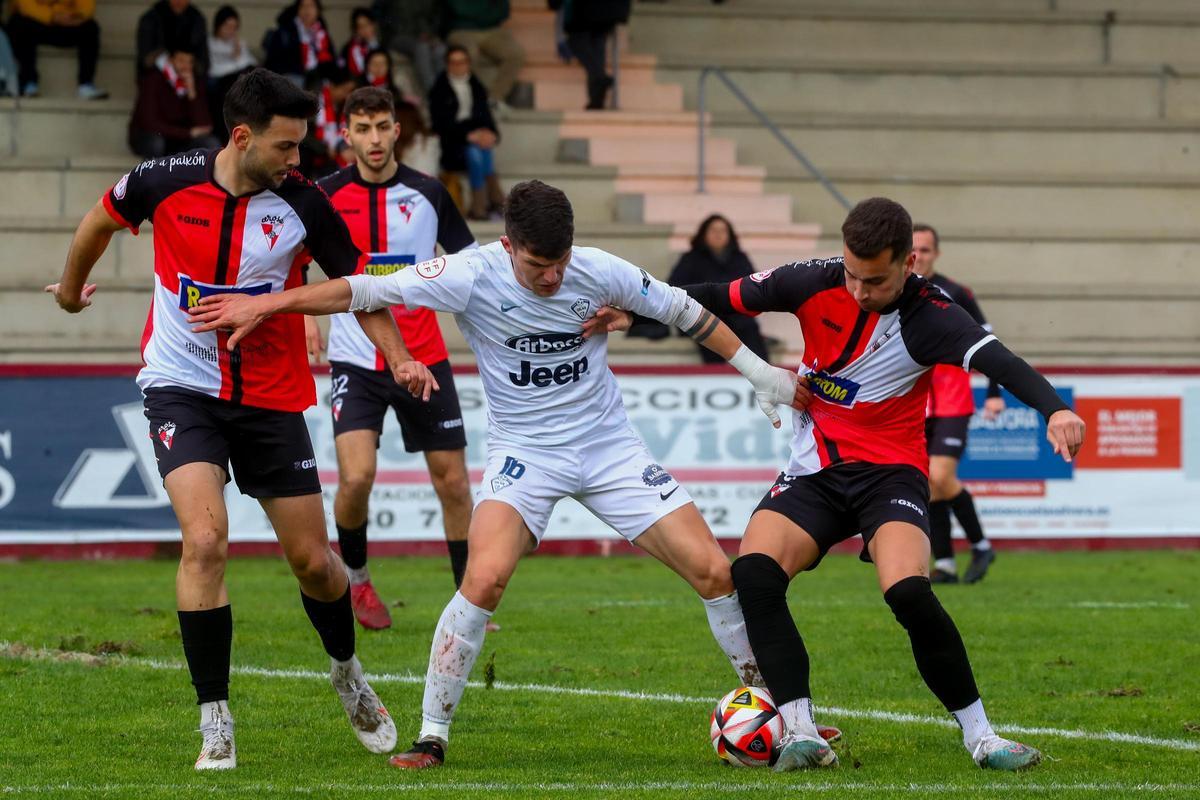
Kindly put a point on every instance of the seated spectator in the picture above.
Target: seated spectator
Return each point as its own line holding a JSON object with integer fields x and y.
{"x": 323, "y": 150}
{"x": 171, "y": 111}
{"x": 299, "y": 44}
{"x": 477, "y": 25}
{"x": 588, "y": 24}
{"x": 716, "y": 257}
{"x": 416, "y": 147}
{"x": 458, "y": 105}
{"x": 380, "y": 71}
{"x": 413, "y": 28}
{"x": 61, "y": 23}
{"x": 230, "y": 58}
{"x": 167, "y": 26}
{"x": 362, "y": 42}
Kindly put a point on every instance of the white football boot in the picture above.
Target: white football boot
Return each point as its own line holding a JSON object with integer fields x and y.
{"x": 218, "y": 750}
{"x": 371, "y": 722}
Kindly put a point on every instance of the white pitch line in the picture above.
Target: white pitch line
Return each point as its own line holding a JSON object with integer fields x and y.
{"x": 1114, "y": 605}
{"x": 659, "y": 697}
{"x": 511, "y": 787}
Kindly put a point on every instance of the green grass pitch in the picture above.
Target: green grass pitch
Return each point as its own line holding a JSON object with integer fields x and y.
{"x": 1075, "y": 650}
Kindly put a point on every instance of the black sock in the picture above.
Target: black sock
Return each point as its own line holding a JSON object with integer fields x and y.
{"x": 939, "y": 530}
{"x": 353, "y": 542}
{"x": 334, "y": 622}
{"x": 207, "y": 641}
{"x": 458, "y": 559}
{"x": 762, "y": 592}
{"x": 964, "y": 511}
{"x": 937, "y": 647}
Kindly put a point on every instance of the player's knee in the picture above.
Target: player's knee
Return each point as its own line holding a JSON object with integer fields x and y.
{"x": 451, "y": 483}
{"x": 714, "y": 579}
{"x": 204, "y": 556}
{"x": 312, "y": 564}
{"x": 483, "y": 586}
{"x": 356, "y": 483}
{"x": 942, "y": 486}
{"x": 913, "y": 602}
{"x": 759, "y": 581}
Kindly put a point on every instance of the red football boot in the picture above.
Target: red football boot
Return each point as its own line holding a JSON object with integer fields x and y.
{"x": 369, "y": 610}
{"x": 424, "y": 754}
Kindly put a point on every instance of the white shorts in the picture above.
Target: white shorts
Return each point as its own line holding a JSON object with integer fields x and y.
{"x": 616, "y": 479}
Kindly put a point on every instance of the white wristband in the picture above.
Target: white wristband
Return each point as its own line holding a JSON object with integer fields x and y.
{"x": 746, "y": 362}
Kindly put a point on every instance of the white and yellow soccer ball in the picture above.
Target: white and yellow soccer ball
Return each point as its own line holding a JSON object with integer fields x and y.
{"x": 746, "y": 728}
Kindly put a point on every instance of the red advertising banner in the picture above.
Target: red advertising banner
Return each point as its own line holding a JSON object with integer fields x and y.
{"x": 1131, "y": 432}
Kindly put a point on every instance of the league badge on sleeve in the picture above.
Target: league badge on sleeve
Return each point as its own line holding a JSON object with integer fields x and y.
{"x": 432, "y": 268}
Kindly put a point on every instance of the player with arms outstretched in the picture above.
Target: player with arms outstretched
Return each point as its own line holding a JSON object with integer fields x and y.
{"x": 872, "y": 333}
{"x": 556, "y": 423}
{"x": 240, "y": 220}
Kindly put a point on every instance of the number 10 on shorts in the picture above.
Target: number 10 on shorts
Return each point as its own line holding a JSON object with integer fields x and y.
{"x": 511, "y": 471}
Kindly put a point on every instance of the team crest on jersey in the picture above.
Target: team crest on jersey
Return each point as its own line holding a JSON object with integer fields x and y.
{"x": 432, "y": 268}
{"x": 406, "y": 210}
{"x": 779, "y": 489}
{"x": 272, "y": 226}
{"x": 337, "y": 409}
{"x": 655, "y": 475}
{"x": 759, "y": 277}
{"x": 500, "y": 482}
{"x": 166, "y": 434}
{"x": 122, "y": 185}
{"x": 581, "y": 308}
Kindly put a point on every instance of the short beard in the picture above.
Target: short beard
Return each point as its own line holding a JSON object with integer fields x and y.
{"x": 253, "y": 169}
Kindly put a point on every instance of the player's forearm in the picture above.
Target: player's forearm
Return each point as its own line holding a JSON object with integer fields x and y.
{"x": 1013, "y": 373}
{"x": 380, "y": 328}
{"x": 710, "y": 332}
{"x": 328, "y": 297}
{"x": 89, "y": 243}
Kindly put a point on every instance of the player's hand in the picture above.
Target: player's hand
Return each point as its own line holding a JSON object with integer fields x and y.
{"x": 993, "y": 407}
{"x": 238, "y": 313}
{"x": 312, "y": 339}
{"x": 607, "y": 320}
{"x": 70, "y": 303}
{"x": 416, "y": 377}
{"x": 804, "y": 396}
{"x": 1065, "y": 431}
{"x": 775, "y": 387}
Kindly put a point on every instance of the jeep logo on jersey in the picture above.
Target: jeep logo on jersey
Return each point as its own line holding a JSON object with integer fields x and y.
{"x": 272, "y": 226}
{"x": 387, "y": 263}
{"x": 655, "y": 475}
{"x": 545, "y": 342}
{"x": 192, "y": 292}
{"x": 544, "y": 376}
{"x": 832, "y": 388}
{"x": 432, "y": 268}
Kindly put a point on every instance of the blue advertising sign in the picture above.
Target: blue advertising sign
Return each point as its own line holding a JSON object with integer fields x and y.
{"x": 1013, "y": 446}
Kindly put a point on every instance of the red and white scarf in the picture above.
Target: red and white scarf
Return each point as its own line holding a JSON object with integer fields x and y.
{"x": 314, "y": 45}
{"x": 167, "y": 69}
{"x": 356, "y": 56}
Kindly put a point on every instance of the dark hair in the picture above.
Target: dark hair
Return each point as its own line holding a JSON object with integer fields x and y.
{"x": 457, "y": 48}
{"x": 411, "y": 124}
{"x": 181, "y": 47}
{"x": 294, "y": 9}
{"x": 919, "y": 227}
{"x": 702, "y": 231}
{"x": 359, "y": 11}
{"x": 878, "y": 224}
{"x": 369, "y": 100}
{"x": 538, "y": 218}
{"x": 260, "y": 95}
{"x": 224, "y": 13}
{"x": 381, "y": 51}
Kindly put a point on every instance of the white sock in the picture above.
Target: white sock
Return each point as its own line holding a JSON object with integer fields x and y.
{"x": 729, "y": 629}
{"x": 946, "y": 565}
{"x": 207, "y": 709}
{"x": 456, "y": 644}
{"x": 982, "y": 545}
{"x": 974, "y": 723}
{"x": 359, "y": 576}
{"x": 798, "y": 717}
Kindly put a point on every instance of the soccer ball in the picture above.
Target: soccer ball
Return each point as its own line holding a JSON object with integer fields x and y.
{"x": 746, "y": 728}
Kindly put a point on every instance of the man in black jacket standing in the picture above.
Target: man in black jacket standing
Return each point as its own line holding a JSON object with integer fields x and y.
{"x": 588, "y": 24}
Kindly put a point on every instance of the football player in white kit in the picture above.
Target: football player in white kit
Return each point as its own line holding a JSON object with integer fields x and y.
{"x": 556, "y": 423}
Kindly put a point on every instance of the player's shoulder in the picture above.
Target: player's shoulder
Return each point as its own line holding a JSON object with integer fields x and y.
{"x": 957, "y": 291}
{"x": 812, "y": 275}
{"x": 176, "y": 171}
{"x": 334, "y": 182}
{"x": 923, "y": 301}
{"x": 308, "y": 199}
{"x": 424, "y": 183}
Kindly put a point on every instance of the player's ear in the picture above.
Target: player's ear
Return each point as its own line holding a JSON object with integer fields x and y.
{"x": 506, "y": 244}
{"x": 240, "y": 136}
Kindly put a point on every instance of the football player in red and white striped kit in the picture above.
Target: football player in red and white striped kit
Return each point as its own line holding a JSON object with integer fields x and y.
{"x": 240, "y": 220}
{"x": 872, "y": 333}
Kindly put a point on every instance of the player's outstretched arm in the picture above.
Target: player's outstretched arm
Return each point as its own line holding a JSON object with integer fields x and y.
{"x": 1064, "y": 428}
{"x": 242, "y": 313}
{"x": 72, "y": 292}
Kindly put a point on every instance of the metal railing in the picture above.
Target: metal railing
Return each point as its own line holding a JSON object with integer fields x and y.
{"x": 766, "y": 123}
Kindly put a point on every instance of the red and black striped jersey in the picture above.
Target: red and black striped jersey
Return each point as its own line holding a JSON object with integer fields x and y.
{"x": 950, "y": 392}
{"x": 869, "y": 372}
{"x": 207, "y": 241}
{"x": 397, "y": 223}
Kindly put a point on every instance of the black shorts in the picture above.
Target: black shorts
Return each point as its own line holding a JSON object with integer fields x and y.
{"x": 947, "y": 436}
{"x": 271, "y": 453}
{"x": 361, "y": 397}
{"x": 844, "y": 500}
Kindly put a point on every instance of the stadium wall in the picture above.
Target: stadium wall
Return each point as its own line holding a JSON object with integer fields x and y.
{"x": 78, "y": 476}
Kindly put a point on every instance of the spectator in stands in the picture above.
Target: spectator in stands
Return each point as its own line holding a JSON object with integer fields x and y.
{"x": 230, "y": 58}
{"x": 364, "y": 39}
{"x": 300, "y": 44}
{"x": 171, "y": 25}
{"x": 458, "y": 106}
{"x": 413, "y": 28}
{"x": 61, "y": 23}
{"x": 716, "y": 257}
{"x": 477, "y": 25}
{"x": 416, "y": 147}
{"x": 8, "y": 67}
{"x": 380, "y": 71}
{"x": 323, "y": 150}
{"x": 171, "y": 112}
{"x": 588, "y": 24}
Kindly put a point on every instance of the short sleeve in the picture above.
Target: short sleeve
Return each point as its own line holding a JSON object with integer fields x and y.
{"x": 130, "y": 201}
{"x": 328, "y": 239}
{"x": 940, "y": 331}
{"x": 452, "y": 234}
{"x": 634, "y": 289}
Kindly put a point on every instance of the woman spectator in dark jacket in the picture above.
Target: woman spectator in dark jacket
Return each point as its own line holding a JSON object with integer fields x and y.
{"x": 716, "y": 257}
{"x": 458, "y": 107}
{"x": 300, "y": 43}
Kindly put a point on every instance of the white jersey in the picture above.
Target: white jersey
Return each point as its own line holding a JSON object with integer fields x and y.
{"x": 545, "y": 384}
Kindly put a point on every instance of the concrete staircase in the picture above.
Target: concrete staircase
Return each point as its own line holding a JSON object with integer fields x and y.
{"x": 1044, "y": 138}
